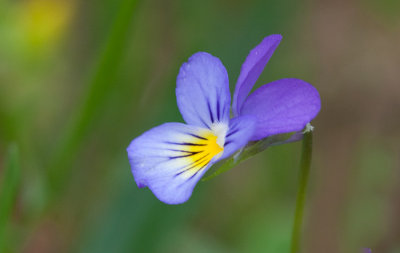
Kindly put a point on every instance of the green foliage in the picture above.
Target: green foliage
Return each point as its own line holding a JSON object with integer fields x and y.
{"x": 101, "y": 83}
{"x": 9, "y": 187}
{"x": 107, "y": 75}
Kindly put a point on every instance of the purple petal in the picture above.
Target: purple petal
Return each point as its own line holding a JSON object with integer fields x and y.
{"x": 252, "y": 68}
{"x": 241, "y": 129}
{"x": 202, "y": 91}
{"x": 170, "y": 159}
{"x": 366, "y": 250}
{"x": 282, "y": 106}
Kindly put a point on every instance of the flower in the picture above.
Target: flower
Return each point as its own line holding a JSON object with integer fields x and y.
{"x": 171, "y": 158}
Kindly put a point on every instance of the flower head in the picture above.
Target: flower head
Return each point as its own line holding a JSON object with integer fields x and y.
{"x": 170, "y": 159}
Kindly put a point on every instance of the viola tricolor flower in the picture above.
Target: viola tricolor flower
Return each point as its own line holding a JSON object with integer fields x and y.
{"x": 171, "y": 158}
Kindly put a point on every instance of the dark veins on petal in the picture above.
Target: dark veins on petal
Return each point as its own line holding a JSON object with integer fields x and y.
{"x": 218, "y": 112}
{"x": 202, "y": 121}
{"x": 187, "y": 155}
{"x": 192, "y": 165}
{"x": 179, "y": 150}
{"x": 198, "y": 137}
{"x": 185, "y": 143}
{"x": 194, "y": 174}
{"x": 210, "y": 111}
{"x": 227, "y": 143}
{"x": 232, "y": 132}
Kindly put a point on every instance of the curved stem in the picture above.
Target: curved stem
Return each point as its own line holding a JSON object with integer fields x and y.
{"x": 305, "y": 164}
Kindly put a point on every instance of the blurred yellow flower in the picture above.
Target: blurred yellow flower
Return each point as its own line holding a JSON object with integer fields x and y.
{"x": 43, "y": 22}
{"x": 31, "y": 32}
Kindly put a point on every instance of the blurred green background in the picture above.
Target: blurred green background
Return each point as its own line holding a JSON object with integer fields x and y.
{"x": 80, "y": 79}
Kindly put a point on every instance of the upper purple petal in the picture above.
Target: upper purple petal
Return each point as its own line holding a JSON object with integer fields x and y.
{"x": 282, "y": 106}
{"x": 241, "y": 129}
{"x": 202, "y": 91}
{"x": 252, "y": 68}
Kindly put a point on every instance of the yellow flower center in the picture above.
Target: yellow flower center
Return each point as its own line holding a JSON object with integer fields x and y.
{"x": 199, "y": 150}
{"x": 205, "y": 149}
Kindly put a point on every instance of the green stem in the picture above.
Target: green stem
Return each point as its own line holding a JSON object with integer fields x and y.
{"x": 301, "y": 193}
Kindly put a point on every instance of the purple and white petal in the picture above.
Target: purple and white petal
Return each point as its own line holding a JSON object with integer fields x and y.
{"x": 252, "y": 68}
{"x": 171, "y": 158}
{"x": 241, "y": 130}
{"x": 202, "y": 91}
{"x": 282, "y": 106}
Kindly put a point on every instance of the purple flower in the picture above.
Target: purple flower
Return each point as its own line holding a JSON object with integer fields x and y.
{"x": 171, "y": 158}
